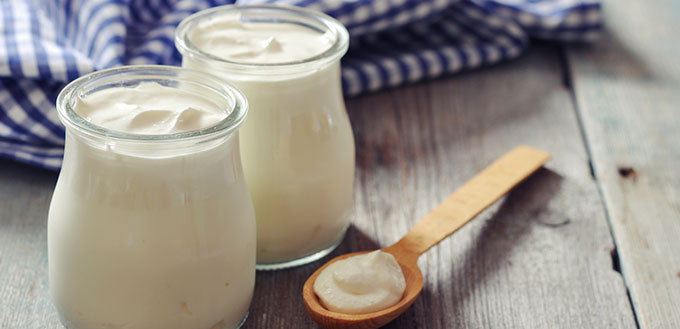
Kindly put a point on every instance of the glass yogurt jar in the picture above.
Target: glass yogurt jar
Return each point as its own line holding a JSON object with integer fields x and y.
{"x": 297, "y": 144}
{"x": 151, "y": 224}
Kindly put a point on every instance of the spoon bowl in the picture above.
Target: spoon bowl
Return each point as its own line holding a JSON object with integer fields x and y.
{"x": 334, "y": 320}
{"x": 457, "y": 210}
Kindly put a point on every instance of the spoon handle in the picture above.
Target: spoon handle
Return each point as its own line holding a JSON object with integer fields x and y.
{"x": 471, "y": 199}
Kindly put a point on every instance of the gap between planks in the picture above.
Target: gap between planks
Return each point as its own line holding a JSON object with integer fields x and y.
{"x": 569, "y": 85}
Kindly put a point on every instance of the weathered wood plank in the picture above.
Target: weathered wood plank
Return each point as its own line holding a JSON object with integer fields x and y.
{"x": 627, "y": 88}
{"x": 24, "y": 197}
{"x": 538, "y": 259}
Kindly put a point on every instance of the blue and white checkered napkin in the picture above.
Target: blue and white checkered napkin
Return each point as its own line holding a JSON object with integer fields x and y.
{"x": 46, "y": 43}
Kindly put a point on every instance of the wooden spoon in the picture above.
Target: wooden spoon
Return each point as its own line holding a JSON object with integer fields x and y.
{"x": 460, "y": 207}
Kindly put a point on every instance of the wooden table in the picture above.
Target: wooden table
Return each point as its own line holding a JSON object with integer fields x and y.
{"x": 592, "y": 241}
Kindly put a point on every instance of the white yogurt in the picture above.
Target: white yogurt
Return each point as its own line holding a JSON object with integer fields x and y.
{"x": 150, "y": 235}
{"x": 297, "y": 145}
{"x": 259, "y": 43}
{"x": 149, "y": 109}
{"x": 361, "y": 284}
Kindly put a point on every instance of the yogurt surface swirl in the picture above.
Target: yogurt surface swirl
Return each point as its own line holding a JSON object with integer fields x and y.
{"x": 149, "y": 109}
{"x": 230, "y": 38}
{"x": 361, "y": 284}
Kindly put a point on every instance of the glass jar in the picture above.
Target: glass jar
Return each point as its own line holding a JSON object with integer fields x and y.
{"x": 151, "y": 231}
{"x": 297, "y": 144}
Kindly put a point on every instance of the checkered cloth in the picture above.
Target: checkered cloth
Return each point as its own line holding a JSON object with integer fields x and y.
{"x": 46, "y": 43}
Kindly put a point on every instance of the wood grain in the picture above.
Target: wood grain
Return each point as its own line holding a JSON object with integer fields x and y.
{"x": 540, "y": 258}
{"x": 24, "y": 197}
{"x": 627, "y": 88}
{"x": 471, "y": 199}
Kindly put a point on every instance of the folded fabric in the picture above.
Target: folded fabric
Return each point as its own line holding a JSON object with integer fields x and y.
{"x": 46, "y": 43}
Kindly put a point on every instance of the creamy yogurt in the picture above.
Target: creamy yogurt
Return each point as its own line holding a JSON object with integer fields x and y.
{"x": 297, "y": 145}
{"x": 361, "y": 284}
{"x": 258, "y": 42}
{"x": 149, "y": 234}
{"x": 149, "y": 109}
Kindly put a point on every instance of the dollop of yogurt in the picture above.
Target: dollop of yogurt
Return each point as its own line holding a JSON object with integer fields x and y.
{"x": 149, "y": 109}
{"x": 361, "y": 284}
{"x": 229, "y": 37}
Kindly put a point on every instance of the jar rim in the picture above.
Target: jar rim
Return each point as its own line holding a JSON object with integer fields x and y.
{"x": 334, "y": 52}
{"x": 70, "y": 118}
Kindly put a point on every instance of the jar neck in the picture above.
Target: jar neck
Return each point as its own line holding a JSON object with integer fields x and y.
{"x": 148, "y": 180}
{"x": 313, "y": 78}
{"x": 108, "y": 147}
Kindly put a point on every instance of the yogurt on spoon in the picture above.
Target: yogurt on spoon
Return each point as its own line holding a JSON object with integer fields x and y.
{"x": 361, "y": 284}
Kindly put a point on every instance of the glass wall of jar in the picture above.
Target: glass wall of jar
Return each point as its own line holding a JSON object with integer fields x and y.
{"x": 146, "y": 230}
{"x": 297, "y": 144}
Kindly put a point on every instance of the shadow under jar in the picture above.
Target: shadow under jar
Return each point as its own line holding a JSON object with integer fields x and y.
{"x": 151, "y": 230}
{"x": 297, "y": 144}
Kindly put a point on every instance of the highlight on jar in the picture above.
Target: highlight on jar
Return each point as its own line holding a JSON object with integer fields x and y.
{"x": 150, "y": 224}
{"x": 297, "y": 144}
